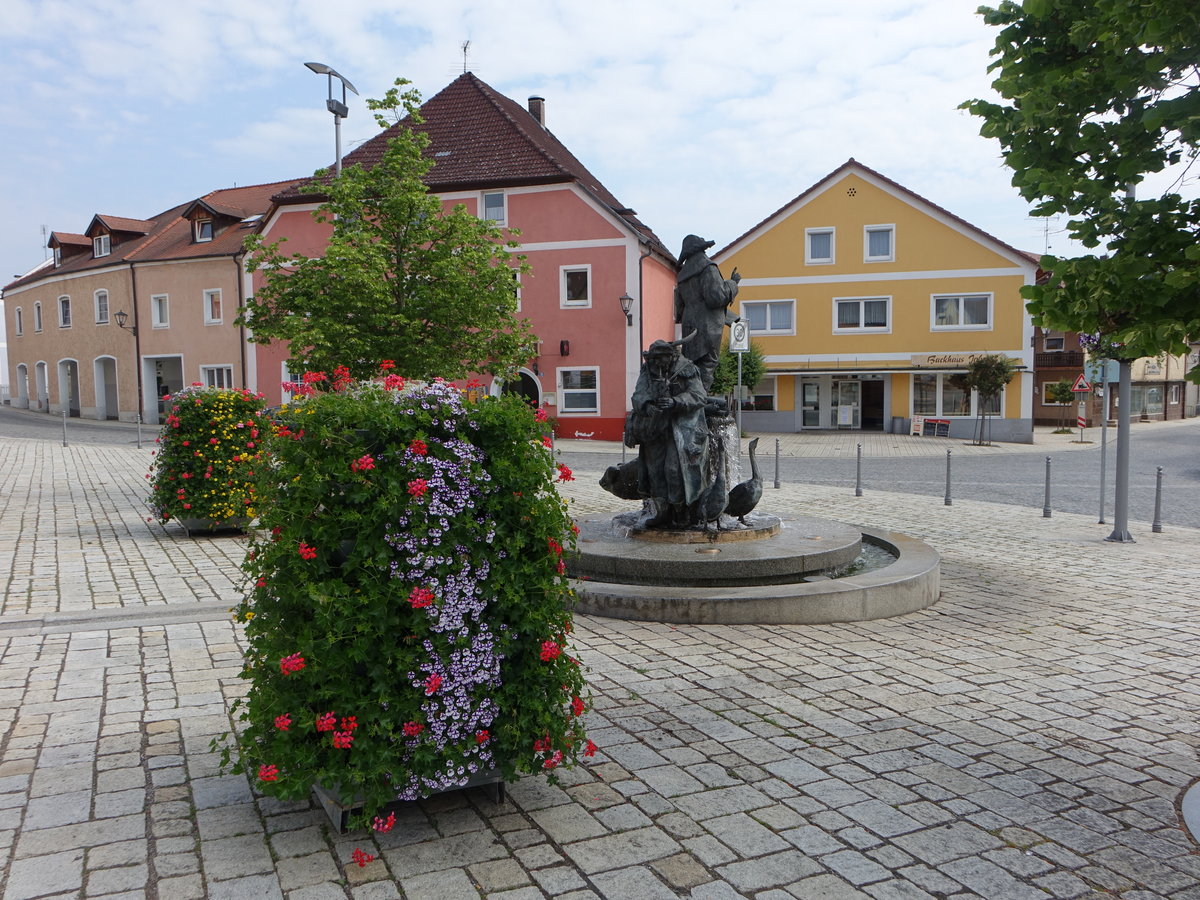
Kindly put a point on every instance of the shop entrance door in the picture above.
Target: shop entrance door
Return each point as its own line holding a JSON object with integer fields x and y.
{"x": 810, "y": 403}
{"x": 847, "y": 404}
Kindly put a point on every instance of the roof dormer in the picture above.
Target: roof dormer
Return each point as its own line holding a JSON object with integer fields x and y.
{"x": 207, "y": 219}
{"x": 67, "y": 246}
{"x": 106, "y": 232}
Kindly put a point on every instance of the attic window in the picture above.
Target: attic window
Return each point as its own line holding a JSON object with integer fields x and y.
{"x": 101, "y": 245}
{"x": 57, "y": 257}
{"x": 202, "y": 230}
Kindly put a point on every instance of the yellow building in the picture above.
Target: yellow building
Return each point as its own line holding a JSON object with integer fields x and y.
{"x": 865, "y": 298}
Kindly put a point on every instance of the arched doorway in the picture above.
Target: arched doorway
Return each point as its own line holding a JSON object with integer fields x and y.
{"x": 525, "y": 385}
{"x": 104, "y": 377}
{"x": 41, "y": 388}
{"x": 68, "y": 386}
{"x": 22, "y": 401}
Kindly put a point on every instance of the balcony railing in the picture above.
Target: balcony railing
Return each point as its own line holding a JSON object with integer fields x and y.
{"x": 1062, "y": 359}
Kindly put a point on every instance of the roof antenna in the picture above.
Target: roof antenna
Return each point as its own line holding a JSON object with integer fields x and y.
{"x": 45, "y": 246}
{"x": 466, "y": 46}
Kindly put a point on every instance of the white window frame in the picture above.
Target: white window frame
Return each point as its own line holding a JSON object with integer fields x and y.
{"x": 210, "y": 375}
{"x": 1174, "y": 395}
{"x": 57, "y": 257}
{"x": 1046, "y": 385}
{"x": 933, "y": 301}
{"x": 64, "y": 311}
{"x": 101, "y": 245}
{"x": 862, "y": 329}
{"x": 941, "y": 383}
{"x": 768, "y": 331}
{"x": 1062, "y": 344}
{"x": 37, "y": 317}
{"x": 198, "y": 231}
{"x": 562, "y": 287}
{"x": 208, "y": 296}
{"x": 517, "y": 286}
{"x": 163, "y": 321}
{"x": 564, "y": 391}
{"x": 18, "y": 322}
{"x": 96, "y": 295}
{"x": 868, "y": 230}
{"x": 483, "y": 198}
{"x": 809, "y": 259}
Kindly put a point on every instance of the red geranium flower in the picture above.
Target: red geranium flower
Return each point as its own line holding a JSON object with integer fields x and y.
{"x": 412, "y": 729}
{"x": 419, "y": 447}
{"x": 550, "y": 650}
{"x": 420, "y": 598}
{"x": 290, "y": 664}
{"x": 384, "y": 826}
{"x": 268, "y": 773}
{"x": 432, "y": 683}
{"x": 417, "y": 488}
{"x": 360, "y": 857}
{"x": 327, "y": 722}
{"x": 591, "y": 749}
{"x": 343, "y": 739}
{"x": 307, "y": 552}
{"x": 540, "y": 415}
{"x": 576, "y": 706}
{"x": 564, "y": 473}
{"x": 482, "y": 737}
{"x": 283, "y": 722}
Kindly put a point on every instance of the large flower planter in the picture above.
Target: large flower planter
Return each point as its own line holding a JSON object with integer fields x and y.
{"x": 194, "y": 527}
{"x": 343, "y": 813}
{"x": 407, "y": 606}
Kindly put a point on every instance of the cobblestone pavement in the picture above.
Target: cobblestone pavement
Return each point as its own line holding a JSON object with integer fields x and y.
{"x": 1027, "y": 736}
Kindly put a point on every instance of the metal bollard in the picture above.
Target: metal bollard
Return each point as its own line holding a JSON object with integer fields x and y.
{"x": 1156, "y": 525}
{"x": 64, "y": 428}
{"x": 139, "y": 437}
{"x": 1046, "y": 506}
{"x": 622, "y": 449}
{"x": 948, "y": 478}
{"x": 776, "y": 463}
{"x": 858, "y": 474}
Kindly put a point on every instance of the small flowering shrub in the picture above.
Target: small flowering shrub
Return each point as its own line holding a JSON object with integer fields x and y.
{"x": 208, "y": 449}
{"x": 406, "y": 602}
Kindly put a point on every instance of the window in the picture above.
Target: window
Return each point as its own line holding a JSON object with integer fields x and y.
{"x": 159, "y": 311}
{"x": 1173, "y": 398}
{"x": 18, "y": 322}
{"x": 1054, "y": 343}
{"x": 37, "y": 317}
{"x": 101, "y": 245}
{"x": 217, "y": 376}
{"x": 101, "y": 304}
{"x": 764, "y": 394}
{"x": 769, "y": 316}
{"x": 1046, "y": 388}
{"x": 493, "y": 207}
{"x": 576, "y": 286}
{"x": 57, "y": 257}
{"x": 202, "y": 230}
{"x": 935, "y": 395}
{"x": 818, "y": 246}
{"x": 64, "y": 312}
{"x": 879, "y": 243}
{"x": 516, "y": 274}
{"x": 967, "y": 312}
{"x": 579, "y": 390}
{"x": 853, "y": 315}
{"x": 212, "y": 307}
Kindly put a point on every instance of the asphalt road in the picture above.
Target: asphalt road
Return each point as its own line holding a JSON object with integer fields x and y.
{"x": 1017, "y": 478}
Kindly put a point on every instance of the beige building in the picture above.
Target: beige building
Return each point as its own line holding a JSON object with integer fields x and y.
{"x": 131, "y": 310}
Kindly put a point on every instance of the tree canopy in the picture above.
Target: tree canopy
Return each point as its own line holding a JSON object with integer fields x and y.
{"x": 1099, "y": 96}
{"x": 400, "y": 279}
{"x": 754, "y": 367}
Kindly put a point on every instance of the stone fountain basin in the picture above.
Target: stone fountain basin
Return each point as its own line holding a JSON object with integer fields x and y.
{"x": 911, "y": 583}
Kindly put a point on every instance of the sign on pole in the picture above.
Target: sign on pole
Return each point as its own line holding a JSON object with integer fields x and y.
{"x": 1081, "y": 385}
{"x": 739, "y": 337}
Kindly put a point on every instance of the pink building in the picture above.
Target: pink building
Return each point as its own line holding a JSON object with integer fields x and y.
{"x": 586, "y": 250}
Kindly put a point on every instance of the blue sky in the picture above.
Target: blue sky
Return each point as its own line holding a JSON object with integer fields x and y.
{"x": 703, "y": 116}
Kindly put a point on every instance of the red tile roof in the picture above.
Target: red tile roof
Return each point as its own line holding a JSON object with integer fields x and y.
{"x": 65, "y": 238}
{"x": 850, "y": 164}
{"x": 481, "y": 139}
{"x": 168, "y": 235}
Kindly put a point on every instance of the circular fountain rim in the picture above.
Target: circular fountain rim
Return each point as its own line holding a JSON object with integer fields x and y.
{"x": 911, "y": 583}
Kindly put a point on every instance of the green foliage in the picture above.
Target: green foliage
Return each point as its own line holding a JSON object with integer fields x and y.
{"x": 1060, "y": 392}
{"x": 754, "y": 367}
{"x": 986, "y": 373}
{"x": 405, "y": 534}
{"x": 1098, "y": 95}
{"x": 209, "y": 447}
{"x": 400, "y": 278}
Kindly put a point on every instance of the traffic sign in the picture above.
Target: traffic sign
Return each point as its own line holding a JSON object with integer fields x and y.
{"x": 1082, "y": 420}
{"x": 739, "y": 337}
{"x": 1081, "y": 385}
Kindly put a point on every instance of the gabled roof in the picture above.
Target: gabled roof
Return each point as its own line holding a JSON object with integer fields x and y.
{"x": 168, "y": 235}
{"x": 481, "y": 139}
{"x": 116, "y": 223}
{"x": 854, "y": 166}
{"x": 66, "y": 239}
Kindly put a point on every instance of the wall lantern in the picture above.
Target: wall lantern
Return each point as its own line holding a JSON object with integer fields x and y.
{"x": 627, "y": 308}
{"x": 564, "y": 348}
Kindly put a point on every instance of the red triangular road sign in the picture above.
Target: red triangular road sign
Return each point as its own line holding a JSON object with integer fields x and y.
{"x": 1081, "y": 386}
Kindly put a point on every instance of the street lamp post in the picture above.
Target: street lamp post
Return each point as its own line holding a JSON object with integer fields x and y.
{"x": 338, "y": 107}
{"x": 122, "y": 318}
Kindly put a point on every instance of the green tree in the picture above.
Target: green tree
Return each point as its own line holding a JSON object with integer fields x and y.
{"x": 1060, "y": 392}
{"x": 754, "y": 367}
{"x": 987, "y": 374}
{"x": 1098, "y": 95}
{"x": 400, "y": 278}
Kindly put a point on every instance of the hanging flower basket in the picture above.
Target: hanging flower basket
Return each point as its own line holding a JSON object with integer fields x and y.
{"x": 204, "y": 467}
{"x": 406, "y": 604}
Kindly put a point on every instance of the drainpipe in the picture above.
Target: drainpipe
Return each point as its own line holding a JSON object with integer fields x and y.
{"x": 641, "y": 302}
{"x": 241, "y": 289}
{"x": 137, "y": 342}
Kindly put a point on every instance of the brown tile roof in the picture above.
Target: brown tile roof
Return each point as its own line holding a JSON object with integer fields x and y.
{"x": 116, "y": 223}
{"x": 67, "y": 238}
{"x": 852, "y": 163}
{"x": 479, "y": 138}
{"x": 168, "y": 235}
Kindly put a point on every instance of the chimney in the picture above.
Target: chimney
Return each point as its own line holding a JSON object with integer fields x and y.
{"x": 537, "y": 109}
